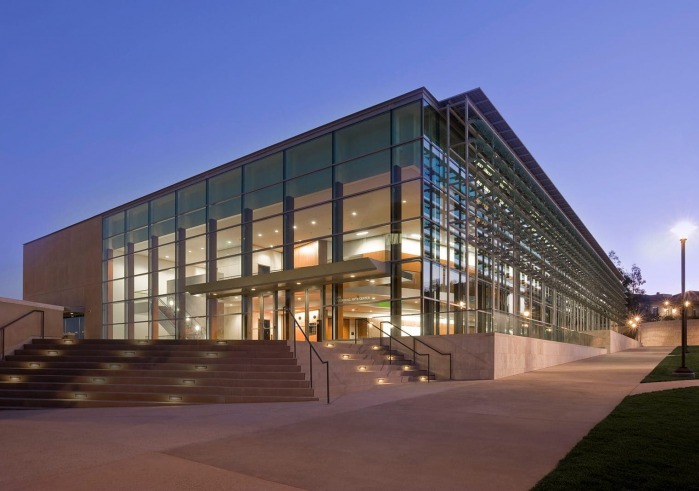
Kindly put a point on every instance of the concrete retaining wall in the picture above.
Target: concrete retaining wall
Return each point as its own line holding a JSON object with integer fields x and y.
{"x": 612, "y": 341}
{"x": 30, "y": 327}
{"x": 668, "y": 333}
{"x": 493, "y": 355}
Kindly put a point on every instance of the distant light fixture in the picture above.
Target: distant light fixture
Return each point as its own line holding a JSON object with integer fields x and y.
{"x": 683, "y": 229}
{"x": 354, "y": 213}
{"x": 167, "y": 257}
{"x": 228, "y": 242}
{"x": 313, "y": 222}
{"x": 363, "y": 232}
{"x": 259, "y": 235}
{"x": 372, "y": 281}
{"x": 201, "y": 248}
{"x": 294, "y": 227}
{"x": 352, "y": 275}
{"x": 405, "y": 201}
{"x": 276, "y": 231}
{"x": 189, "y": 252}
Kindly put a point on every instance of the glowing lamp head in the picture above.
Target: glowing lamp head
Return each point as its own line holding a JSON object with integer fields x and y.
{"x": 683, "y": 230}
{"x": 637, "y": 319}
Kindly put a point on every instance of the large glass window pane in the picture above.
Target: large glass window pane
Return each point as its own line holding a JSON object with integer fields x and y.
{"x": 263, "y": 172}
{"x": 228, "y": 241}
{"x": 115, "y": 245}
{"x": 267, "y": 261}
{"x": 166, "y": 256}
{"x": 435, "y": 126}
{"x": 225, "y": 186}
{"x": 312, "y": 223}
{"x": 165, "y": 230}
{"x": 166, "y": 282}
{"x": 162, "y": 208}
{"x": 226, "y": 213}
{"x": 195, "y": 274}
{"x": 191, "y": 197}
{"x": 406, "y": 123}
{"x": 312, "y": 253}
{"x": 373, "y": 243}
{"x": 137, "y": 217}
{"x": 139, "y": 238}
{"x": 363, "y": 138}
{"x": 113, "y": 225}
{"x": 411, "y": 198}
{"x": 309, "y": 156}
{"x": 194, "y": 222}
{"x": 264, "y": 202}
{"x": 195, "y": 249}
{"x": 366, "y": 210}
{"x": 365, "y": 173}
{"x": 267, "y": 233}
{"x": 228, "y": 267}
{"x": 310, "y": 189}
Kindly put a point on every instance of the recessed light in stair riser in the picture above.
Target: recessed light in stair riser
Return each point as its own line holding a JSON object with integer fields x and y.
{"x": 80, "y": 396}
{"x": 98, "y": 380}
{"x": 329, "y": 345}
{"x": 52, "y": 353}
{"x": 376, "y": 347}
{"x": 212, "y": 355}
{"x": 67, "y": 341}
{"x": 200, "y": 367}
{"x": 129, "y": 353}
{"x": 35, "y": 365}
{"x": 345, "y": 357}
{"x": 175, "y": 398}
{"x": 15, "y": 378}
{"x": 115, "y": 366}
{"x": 406, "y": 367}
{"x": 381, "y": 381}
{"x": 362, "y": 368}
{"x": 423, "y": 378}
{"x": 189, "y": 381}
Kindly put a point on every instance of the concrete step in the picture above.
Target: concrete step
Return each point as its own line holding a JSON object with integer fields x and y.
{"x": 185, "y": 379}
{"x": 40, "y": 389}
{"x": 209, "y": 365}
{"x": 128, "y": 372}
{"x": 101, "y": 373}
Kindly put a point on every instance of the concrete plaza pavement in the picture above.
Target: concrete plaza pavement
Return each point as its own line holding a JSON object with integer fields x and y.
{"x": 488, "y": 434}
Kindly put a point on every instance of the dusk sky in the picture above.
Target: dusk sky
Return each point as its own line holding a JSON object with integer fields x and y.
{"x": 104, "y": 102}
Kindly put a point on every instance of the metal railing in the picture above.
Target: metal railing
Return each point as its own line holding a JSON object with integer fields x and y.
{"x": 8, "y": 324}
{"x": 390, "y": 347}
{"x": 416, "y": 340}
{"x": 311, "y": 351}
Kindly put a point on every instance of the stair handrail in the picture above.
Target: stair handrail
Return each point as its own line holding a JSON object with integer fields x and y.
{"x": 390, "y": 347}
{"x": 415, "y": 339}
{"x": 8, "y": 324}
{"x": 310, "y": 353}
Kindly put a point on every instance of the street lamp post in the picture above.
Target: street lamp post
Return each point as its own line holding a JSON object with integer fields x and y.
{"x": 683, "y": 230}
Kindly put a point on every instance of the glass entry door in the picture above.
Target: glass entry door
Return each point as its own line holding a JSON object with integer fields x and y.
{"x": 267, "y": 318}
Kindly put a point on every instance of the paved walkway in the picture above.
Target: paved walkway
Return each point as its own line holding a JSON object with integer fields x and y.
{"x": 503, "y": 434}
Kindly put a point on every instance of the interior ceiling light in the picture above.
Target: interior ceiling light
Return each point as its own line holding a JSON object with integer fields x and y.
{"x": 313, "y": 222}
{"x": 354, "y": 213}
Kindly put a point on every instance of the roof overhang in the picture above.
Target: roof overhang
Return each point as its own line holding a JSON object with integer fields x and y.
{"x": 352, "y": 270}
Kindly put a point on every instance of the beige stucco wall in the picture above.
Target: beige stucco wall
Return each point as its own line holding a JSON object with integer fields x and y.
{"x": 21, "y": 331}
{"x": 668, "y": 333}
{"x": 64, "y": 268}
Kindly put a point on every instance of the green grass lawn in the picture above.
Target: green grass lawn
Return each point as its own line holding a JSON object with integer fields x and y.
{"x": 663, "y": 372}
{"x": 650, "y": 441}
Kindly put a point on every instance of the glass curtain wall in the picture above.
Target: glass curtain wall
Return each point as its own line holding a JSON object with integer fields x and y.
{"x": 351, "y": 193}
{"x": 470, "y": 241}
{"x": 498, "y": 253}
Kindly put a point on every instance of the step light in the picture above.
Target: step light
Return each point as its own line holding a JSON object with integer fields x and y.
{"x": 115, "y": 366}
{"x": 362, "y": 368}
{"x": 407, "y": 367}
{"x": 376, "y": 347}
{"x": 212, "y": 355}
{"x": 52, "y": 353}
{"x": 67, "y": 341}
{"x": 391, "y": 357}
{"x": 221, "y": 342}
{"x": 200, "y": 367}
{"x": 15, "y": 378}
{"x": 175, "y": 398}
{"x": 80, "y": 395}
{"x": 345, "y": 357}
{"x": 423, "y": 378}
{"x": 189, "y": 381}
{"x": 98, "y": 380}
{"x": 380, "y": 380}
{"x": 34, "y": 365}
{"x": 329, "y": 345}
{"x": 129, "y": 353}
{"x": 142, "y": 341}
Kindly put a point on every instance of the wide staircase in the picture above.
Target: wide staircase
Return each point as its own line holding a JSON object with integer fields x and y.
{"x": 108, "y": 373}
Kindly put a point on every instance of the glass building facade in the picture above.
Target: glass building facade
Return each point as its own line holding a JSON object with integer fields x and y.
{"x": 429, "y": 215}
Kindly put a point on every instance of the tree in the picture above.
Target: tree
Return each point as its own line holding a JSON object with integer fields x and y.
{"x": 632, "y": 281}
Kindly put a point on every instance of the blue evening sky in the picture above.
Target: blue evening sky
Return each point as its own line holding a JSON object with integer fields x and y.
{"x": 103, "y": 102}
